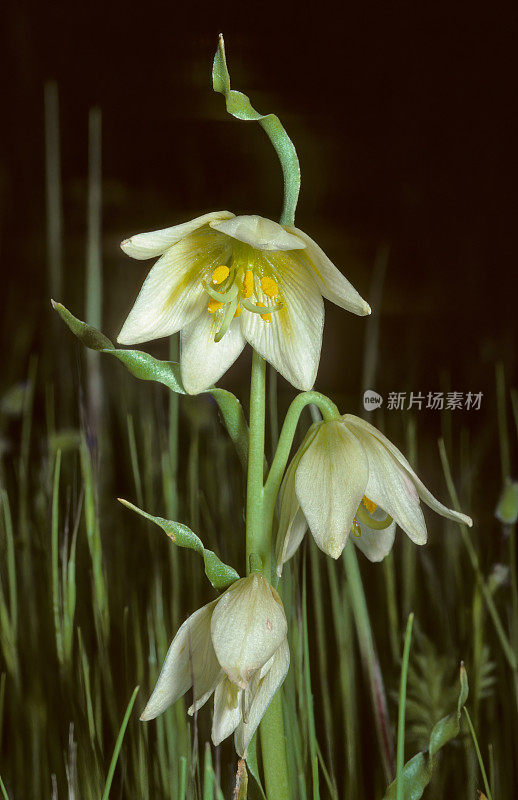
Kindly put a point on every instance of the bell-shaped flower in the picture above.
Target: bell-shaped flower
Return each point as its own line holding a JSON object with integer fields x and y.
{"x": 235, "y": 648}
{"x": 348, "y": 477}
{"x": 224, "y": 281}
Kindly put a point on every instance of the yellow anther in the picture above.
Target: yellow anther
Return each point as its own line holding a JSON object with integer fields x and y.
{"x": 266, "y": 317}
{"x": 238, "y": 312}
{"x": 214, "y": 305}
{"x": 269, "y": 286}
{"x": 369, "y": 505}
{"x": 356, "y": 531}
{"x": 220, "y": 274}
{"x": 248, "y": 283}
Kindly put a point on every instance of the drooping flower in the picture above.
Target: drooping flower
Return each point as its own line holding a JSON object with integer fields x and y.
{"x": 234, "y": 647}
{"x": 348, "y": 477}
{"x": 224, "y": 281}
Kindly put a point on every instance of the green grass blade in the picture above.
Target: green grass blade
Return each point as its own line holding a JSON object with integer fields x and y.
{"x": 400, "y": 758}
{"x": 118, "y": 744}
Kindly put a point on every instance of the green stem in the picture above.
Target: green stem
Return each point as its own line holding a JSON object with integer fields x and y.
{"x": 273, "y": 748}
{"x": 329, "y": 412}
{"x": 479, "y": 755}
{"x": 256, "y": 542}
{"x": 259, "y": 556}
{"x": 400, "y": 761}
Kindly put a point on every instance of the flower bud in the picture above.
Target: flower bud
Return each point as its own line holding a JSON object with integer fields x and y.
{"x": 247, "y": 627}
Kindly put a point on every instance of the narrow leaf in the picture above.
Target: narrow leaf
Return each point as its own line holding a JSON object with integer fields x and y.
{"x": 240, "y": 107}
{"x": 90, "y": 337}
{"x": 147, "y": 368}
{"x": 219, "y": 574}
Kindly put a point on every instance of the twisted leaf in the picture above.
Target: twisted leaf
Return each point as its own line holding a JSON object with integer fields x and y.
{"x": 219, "y": 574}
{"x": 417, "y": 773}
{"x": 240, "y": 107}
{"x": 147, "y": 368}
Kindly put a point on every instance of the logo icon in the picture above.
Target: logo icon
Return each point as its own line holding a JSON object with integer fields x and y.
{"x": 371, "y": 400}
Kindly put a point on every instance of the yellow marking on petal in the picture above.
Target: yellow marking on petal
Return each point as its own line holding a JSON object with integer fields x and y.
{"x": 238, "y": 312}
{"x": 356, "y": 530}
{"x": 266, "y": 317}
{"x": 248, "y": 283}
{"x": 269, "y": 286}
{"x": 220, "y": 274}
{"x": 369, "y": 505}
{"x": 214, "y": 305}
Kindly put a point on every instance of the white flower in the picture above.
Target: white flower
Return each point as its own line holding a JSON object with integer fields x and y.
{"x": 234, "y": 647}
{"x": 348, "y": 477}
{"x": 224, "y": 281}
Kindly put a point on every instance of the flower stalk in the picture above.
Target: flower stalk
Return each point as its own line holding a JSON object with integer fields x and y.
{"x": 259, "y": 557}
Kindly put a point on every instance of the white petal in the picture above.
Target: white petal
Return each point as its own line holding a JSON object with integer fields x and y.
{"x": 291, "y": 342}
{"x": 248, "y": 624}
{"x": 292, "y": 522}
{"x": 199, "y": 702}
{"x": 375, "y": 544}
{"x": 263, "y": 694}
{"x": 191, "y": 654}
{"x": 390, "y": 487}
{"x": 333, "y": 285}
{"x": 261, "y": 233}
{"x": 154, "y": 243}
{"x": 227, "y": 710}
{"x": 172, "y": 294}
{"x": 422, "y": 491}
{"x": 203, "y": 361}
{"x": 330, "y": 483}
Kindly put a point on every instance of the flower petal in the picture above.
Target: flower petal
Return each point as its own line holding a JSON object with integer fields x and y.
{"x": 172, "y": 294}
{"x": 291, "y": 342}
{"x": 375, "y": 544}
{"x": 190, "y": 659}
{"x": 154, "y": 243}
{"x": 247, "y": 626}
{"x": 203, "y": 361}
{"x": 261, "y": 233}
{"x": 333, "y": 285}
{"x": 263, "y": 693}
{"x": 422, "y": 491}
{"x": 390, "y": 487}
{"x": 292, "y": 522}
{"x": 330, "y": 483}
{"x": 227, "y": 710}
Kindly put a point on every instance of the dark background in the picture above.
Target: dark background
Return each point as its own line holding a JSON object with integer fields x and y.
{"x": 401, "y": 117}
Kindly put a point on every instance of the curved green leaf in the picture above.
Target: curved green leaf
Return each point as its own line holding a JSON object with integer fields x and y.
{"x": 240, "y": 107}
{"x": 219, "y": 574}
{"x": 417, "y": 772}
{"x": 90, "y": 337}
{"x": 147, "y": 368}
{"x": 234, "y": 419}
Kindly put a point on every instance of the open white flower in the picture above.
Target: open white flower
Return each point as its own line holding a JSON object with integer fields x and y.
{"x": 234, "y": 647}
{"x": 348, "y": 477}
{"x": 224, "y": 281}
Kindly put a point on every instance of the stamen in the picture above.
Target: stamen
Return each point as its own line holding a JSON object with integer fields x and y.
{"x": 220, "y": 274}
{"x": 376, "y": 524}
{"x": 223, "y": 297}
{"x": 248, "y": 283}
{"x": 227, "y": 319}
{"x": 269, "y": 286}
{"x": 356, "y": 529}
{"x": 266, "y": 317}
{"x": 238, "y": 312}
{"x": 213, "y": 306}
{"x": 369, "y": 504}
{"x": 259, "y": 308}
